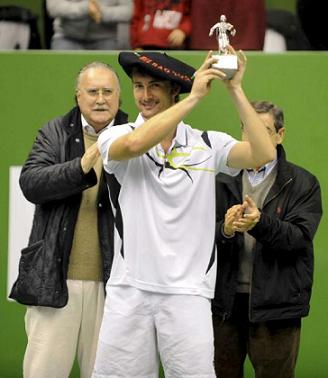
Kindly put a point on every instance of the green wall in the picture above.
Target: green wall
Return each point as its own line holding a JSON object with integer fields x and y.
{"x": 36, "y": 86}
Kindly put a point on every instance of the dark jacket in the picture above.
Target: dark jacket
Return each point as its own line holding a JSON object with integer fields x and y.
{"x": 283, "y": 257}
{"x": 52, "y": 179}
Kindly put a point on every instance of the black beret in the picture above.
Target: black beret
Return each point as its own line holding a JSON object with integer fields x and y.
{"x": 159, "y": 65}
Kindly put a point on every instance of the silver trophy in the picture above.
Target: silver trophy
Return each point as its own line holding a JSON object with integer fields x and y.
{"x": 227, "y": 63}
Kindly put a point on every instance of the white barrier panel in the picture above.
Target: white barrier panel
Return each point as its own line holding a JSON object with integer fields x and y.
{"x": 20, "y": 222}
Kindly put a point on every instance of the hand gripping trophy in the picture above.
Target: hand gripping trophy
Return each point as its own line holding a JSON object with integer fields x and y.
{"x": 226, "y": 62}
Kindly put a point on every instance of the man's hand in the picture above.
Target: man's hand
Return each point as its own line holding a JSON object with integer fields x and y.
{"x": 232, "y": 215}
{"x": 94, "y": 11}
{"x": 90, "y": 157}
{"x": 251, "y": 216}
{"x": 176, "y": 38}
{"x": 236, "y": 80}
{"x": 204, "y": 77}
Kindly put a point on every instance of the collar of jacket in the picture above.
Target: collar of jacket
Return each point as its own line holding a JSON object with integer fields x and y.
{"x": 284, "y": 174}
{"x": 72, "y": 125}
{"x": 72, "y": 120}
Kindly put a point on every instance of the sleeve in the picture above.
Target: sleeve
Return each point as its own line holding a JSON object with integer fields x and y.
{"x": 117, "y": 13}
{"x": 223, "y": 240}
{"x": 137, "y": 17}
{"x": 105, "y": 140}
{"x": 67, "y": 8}
{"x": 185, "y": 24}
{"x": 222, "y": 144}
{"x": 44, "y": 177}
{"x": 224, "y": 200}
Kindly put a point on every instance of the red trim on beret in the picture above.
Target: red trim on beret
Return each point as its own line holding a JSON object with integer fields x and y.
{"x": 159, "y": 65}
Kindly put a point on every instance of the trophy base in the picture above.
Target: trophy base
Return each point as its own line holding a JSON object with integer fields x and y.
{"x": 227, "y": 64}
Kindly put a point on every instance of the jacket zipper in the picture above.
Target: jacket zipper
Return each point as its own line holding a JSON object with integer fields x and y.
{"x": 251, "y": 280}
{"x": 281, "y": 189}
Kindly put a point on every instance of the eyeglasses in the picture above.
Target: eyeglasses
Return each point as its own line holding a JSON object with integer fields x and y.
{"x": 95, "y": 92}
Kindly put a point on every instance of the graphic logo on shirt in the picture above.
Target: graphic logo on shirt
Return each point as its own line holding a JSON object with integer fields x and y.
{"x": 168, "y": 162}
{"x": 167, "y": 19}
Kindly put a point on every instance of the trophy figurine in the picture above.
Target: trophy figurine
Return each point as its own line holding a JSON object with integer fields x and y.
{"x": 227, "y": 63}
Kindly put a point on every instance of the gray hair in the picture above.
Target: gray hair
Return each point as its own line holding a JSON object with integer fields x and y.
{"x": 269, "y": 107}
{"x": 95, "y": 64}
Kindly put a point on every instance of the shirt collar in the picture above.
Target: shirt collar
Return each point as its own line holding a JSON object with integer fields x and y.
{"x": 266, "y": 169}
{"x": 181, "y": 135}
{"x": 88, "y": 129}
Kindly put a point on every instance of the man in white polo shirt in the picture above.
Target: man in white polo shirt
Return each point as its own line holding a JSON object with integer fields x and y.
{"x": 164, "y": 269}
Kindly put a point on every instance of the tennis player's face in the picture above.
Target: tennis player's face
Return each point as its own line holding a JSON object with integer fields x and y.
{"x": 152, "y": 95}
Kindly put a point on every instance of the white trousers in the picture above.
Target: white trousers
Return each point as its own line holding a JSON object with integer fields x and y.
{"x": 55, "y": 336}
{"x": 140, "y": 326}
{"x": 14, "y": 35}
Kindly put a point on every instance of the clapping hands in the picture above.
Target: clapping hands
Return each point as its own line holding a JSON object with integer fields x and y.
{"x": 94, "y": 11}
{"x": 242, "y": 217}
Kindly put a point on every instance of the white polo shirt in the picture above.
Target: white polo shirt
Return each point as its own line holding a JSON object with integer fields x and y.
{"x": 167, "y": 204}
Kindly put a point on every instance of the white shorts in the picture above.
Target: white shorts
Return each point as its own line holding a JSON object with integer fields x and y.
{"x": 138, "y": 326}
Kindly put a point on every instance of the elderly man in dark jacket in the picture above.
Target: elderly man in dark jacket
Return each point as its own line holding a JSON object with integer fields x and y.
{"x": 68, "y": 259}
{"x": 265, "y": 261}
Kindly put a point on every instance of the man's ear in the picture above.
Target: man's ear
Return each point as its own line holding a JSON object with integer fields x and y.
{"x": 76, "y": 97}
{"x": 281, "y": 135}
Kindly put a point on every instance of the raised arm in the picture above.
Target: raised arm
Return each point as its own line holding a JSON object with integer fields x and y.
{"x": 164, "y": 124}
{"x": 213, "y": 29}
{"x": 46, "y": 177}
{"x": 258, "y": 150}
